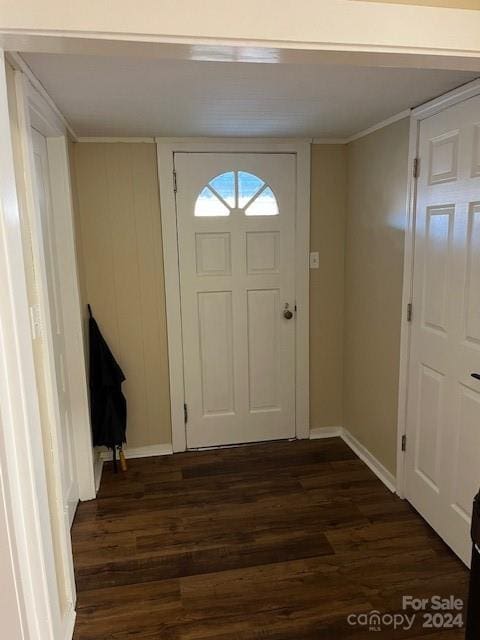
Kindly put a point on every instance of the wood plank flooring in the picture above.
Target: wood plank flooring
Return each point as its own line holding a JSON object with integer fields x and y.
{"x": 277, "y": 541}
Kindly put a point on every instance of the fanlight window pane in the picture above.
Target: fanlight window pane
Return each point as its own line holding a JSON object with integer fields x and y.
{"x": 236, "y": 190}
{"x": 248, "y": 186}
{"x": 264, "y": 205}
{"x": 208, "y": 204}
{"x": 224, "y": 185}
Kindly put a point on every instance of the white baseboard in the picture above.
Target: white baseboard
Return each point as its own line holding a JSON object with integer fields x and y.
{"x": 316, "y": 433}
{"x": 360, "y": 450}
{"x": 141, "y": 452}
{"x": 369, "y": 459}
{"x": 97, "y": 469}
{"x": 325, "y": 432}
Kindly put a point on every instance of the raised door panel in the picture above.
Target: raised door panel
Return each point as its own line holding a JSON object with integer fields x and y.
{"x": 476, "y": 151}
{"x": 263, "y": 252}
{"x": 467, "y": 455}
{"x": 213, "y": 254}
{"x": 429, "y": 419}
{"x": 263, "y": 349}
{"x": 444, "y": 158}
{"x": 472, "y": 290}
{"x": 216, "y": 352}
{"x": 439, "y": 227}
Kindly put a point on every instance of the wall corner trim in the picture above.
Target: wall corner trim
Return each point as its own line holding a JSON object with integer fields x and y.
{"x": 360, "y": 450}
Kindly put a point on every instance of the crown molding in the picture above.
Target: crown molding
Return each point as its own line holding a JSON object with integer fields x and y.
{"x": 329, "y": 141}
{"x": 464, "y": 92}
{"x": 380, "y": 125}
{"x": 107, "y": 139}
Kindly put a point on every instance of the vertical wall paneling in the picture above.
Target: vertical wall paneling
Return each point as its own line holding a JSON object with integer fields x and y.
{"x": 119, "y": 223}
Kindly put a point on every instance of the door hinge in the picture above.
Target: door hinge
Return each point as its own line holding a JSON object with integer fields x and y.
{"x": 185, "y": 413}
{"x": 174, "y": 181}
{"x": 416, "y": 167}
{"x": 409, "y": 312}
{"x": 404, "y": 443}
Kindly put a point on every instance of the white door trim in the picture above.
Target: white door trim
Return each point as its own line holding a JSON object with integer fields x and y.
{"x": 35, "y": 111}
{"x": 20, "y": 431}
{"x": 166, "y": 147}
{"x": 51, "y": 622}
{"x": 418, "y": 114}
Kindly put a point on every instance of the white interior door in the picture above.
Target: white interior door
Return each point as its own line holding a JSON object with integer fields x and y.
{"x": 62, "y": 395}
{"x": 236, "y": 236}
{"x": 443, "y": 447}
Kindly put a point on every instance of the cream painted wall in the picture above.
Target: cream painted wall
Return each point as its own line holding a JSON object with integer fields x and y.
{"x": 357, "y": 218}
{"x": 377, "y": 185}
{"x": 119, "y": 244}
{"x": 327, "y": 236}
{"x": 81, "y": 272}
{"x": 121, "y": 274}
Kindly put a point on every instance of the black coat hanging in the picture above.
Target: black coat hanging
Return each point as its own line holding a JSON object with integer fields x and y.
{"x": 108, "y": 405}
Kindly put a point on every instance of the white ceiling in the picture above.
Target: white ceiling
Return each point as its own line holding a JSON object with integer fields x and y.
{"x": 108, "y": 96}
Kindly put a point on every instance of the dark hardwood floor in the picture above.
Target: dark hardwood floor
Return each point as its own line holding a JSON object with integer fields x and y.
{"x": 278, "y": 541}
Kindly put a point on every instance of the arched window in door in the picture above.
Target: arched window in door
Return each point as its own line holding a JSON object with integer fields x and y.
{"x": 236, "y": 191}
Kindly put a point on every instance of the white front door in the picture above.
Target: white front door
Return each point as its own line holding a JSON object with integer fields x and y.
{"x": 443, "y": 418}
{"x": 236, "y": 237}
{"x": 61, "y": 402}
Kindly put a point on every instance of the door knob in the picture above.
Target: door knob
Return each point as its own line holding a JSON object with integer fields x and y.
{"x": 287, "y": 314}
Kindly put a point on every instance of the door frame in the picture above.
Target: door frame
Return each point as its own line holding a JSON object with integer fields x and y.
{"x": 23, "y": 470}
{"x": 466, "y": 91}
{"x": 166, "y": 148}
{"x": 34, "y": 111}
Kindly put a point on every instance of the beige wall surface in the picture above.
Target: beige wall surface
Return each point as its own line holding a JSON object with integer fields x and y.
{"x": 81, "y": 271}
{"x": 119, "y": 256}
{"x": 355, "y": 295}
{"x": 120, "y": 251}
{"x": 377, "y": 185}
{"x": 327, "y": 236}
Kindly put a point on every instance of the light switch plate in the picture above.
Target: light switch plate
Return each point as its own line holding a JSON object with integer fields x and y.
{"x": 314, "y": 260}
